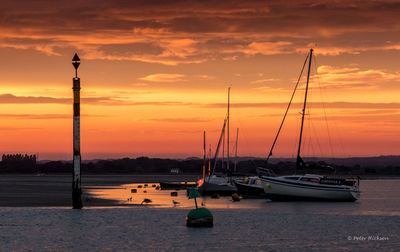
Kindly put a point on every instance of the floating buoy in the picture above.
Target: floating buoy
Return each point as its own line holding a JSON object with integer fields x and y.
{"x": 215, "y": 196}
{"x": 174, "y": 194}
{"x": 134, "y": 190}
{"x": 268, "y": 185}
{"x": 235, "y": 197}
{"x": 199, "y": 217}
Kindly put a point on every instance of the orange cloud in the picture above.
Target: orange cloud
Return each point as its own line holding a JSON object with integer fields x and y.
{"x": 194, "y": 32}
{"x": 163, "y": 77}
{"x": 181, "y": 120}
{"x": 353, "y": 77}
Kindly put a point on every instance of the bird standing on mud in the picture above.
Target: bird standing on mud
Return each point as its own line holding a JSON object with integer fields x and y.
{"x": 146, "y": 201}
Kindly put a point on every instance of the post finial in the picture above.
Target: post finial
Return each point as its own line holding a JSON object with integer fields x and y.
{"x": 76, "y": 62}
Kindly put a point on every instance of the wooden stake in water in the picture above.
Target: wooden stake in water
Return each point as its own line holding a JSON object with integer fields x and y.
{"x": 76, "y": 177}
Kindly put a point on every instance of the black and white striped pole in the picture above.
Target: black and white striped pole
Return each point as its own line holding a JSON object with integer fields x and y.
{"x": 76, "y": 183}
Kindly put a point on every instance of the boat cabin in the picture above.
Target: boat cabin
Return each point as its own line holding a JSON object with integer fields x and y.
{"x": 321, "y": 179}
{"x": 305, "y": 178}
{"x": 254, "y": 181}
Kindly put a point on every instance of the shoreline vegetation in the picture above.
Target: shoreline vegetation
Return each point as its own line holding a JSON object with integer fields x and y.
{"x": 368, "y": 167}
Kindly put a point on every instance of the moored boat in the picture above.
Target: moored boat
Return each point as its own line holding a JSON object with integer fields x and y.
{"x": 211, "y": 183}
{"x": 310, "y": 187}
{"x": 250, "y": 186}
{"x": 216, "y": 184}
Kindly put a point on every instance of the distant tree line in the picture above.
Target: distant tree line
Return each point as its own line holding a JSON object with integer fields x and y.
{"x": 19, "y": 163}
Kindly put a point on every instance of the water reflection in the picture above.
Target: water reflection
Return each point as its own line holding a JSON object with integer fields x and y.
{"x": 378, "y": 197}
{"x": 165, "y": 198}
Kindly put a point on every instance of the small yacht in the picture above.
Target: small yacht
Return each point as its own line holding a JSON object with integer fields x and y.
{"x": 216, "y": 184}
{"x": 310, "y": 187}
{"x": 213, "y": 183}
{"x": 250, "y": 186}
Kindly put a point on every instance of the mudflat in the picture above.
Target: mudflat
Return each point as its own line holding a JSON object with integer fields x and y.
{"x": 56, "y": 190}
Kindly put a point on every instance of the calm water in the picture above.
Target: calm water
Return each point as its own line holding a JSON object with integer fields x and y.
{"x": 378, "y": 197}
{"x": 372, "y": 223}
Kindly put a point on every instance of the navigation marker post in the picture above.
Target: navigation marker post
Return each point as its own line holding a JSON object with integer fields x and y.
{"x": 76, "y": 177}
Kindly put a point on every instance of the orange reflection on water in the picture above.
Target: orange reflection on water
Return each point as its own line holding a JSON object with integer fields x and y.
{"x": 164, "y": 198}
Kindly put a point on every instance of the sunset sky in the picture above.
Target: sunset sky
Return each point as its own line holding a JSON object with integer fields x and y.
{"x": 155, "y": 74}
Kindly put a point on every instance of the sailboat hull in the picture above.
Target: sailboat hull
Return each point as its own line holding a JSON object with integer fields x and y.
{"x": 210, "y": 188}
{"x": 248, "y": 190}
{"x": 281, "y": 189}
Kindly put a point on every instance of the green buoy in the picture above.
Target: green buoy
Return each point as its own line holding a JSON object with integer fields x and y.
{"x": 199, "y": 217}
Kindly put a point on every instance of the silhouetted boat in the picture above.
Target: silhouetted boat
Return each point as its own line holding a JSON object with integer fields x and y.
{"x": 212, "y": 183}
{"x": 309, "y": 186}
{"x": 216, "y": 184}
{"x": 250, "y": 186}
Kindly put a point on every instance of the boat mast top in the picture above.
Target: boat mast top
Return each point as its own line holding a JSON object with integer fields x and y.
{"x": 287, "y": 109}
{"x": 299, "y": 161}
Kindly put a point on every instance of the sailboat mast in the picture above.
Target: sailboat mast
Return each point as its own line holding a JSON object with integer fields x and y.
{"x": 299, "y": 160}
{"x": 236, "y": 145}
{"x": 223, "y": 151}
{"x": 204, "y": 155}
{"x": 227, "y": 146}
{"x": 209, "y": 161}
{"x": 218, "y": 146}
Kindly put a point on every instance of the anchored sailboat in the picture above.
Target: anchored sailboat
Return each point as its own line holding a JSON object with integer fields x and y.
{"x": 308, "y": 186}
{"x": 218, "y": 184}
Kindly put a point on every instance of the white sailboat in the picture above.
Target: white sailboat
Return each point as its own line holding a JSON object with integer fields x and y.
{"x": 309, "y": 186}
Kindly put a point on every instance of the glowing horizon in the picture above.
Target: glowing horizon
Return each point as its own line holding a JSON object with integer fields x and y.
{"x": 154, "y": 75}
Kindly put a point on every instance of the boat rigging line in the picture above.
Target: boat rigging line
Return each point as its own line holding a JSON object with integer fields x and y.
{"x": 287, "y": 109}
